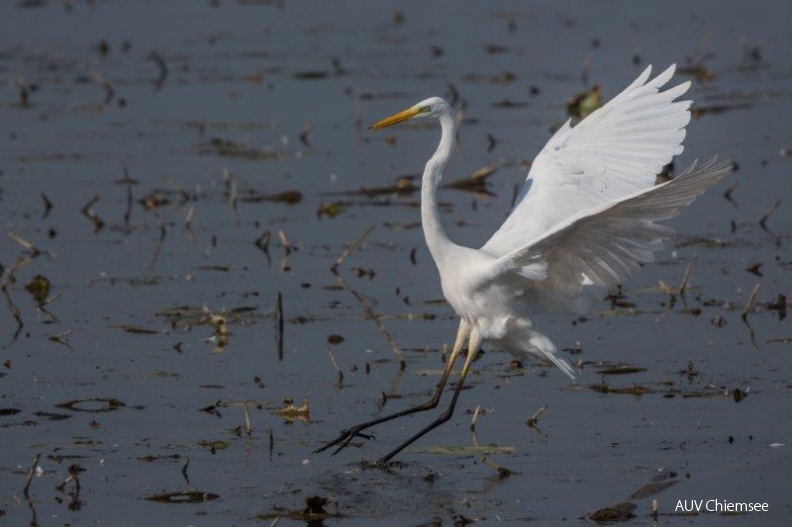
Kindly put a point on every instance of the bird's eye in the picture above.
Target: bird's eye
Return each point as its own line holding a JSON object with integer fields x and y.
{"x": 425, "y": 109}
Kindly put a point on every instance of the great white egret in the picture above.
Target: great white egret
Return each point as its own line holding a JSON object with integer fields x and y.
{"x": 586, "y": 218}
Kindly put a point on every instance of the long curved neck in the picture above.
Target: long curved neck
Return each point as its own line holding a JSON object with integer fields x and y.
{"x": 436, "y": 237}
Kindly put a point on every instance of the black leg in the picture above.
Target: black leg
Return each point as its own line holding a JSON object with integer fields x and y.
{"x": 473, "y": 346}
{"x": 349, "y": 434}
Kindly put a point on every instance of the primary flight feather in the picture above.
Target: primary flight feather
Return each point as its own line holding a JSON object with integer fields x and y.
{"x": 587, "y": 217}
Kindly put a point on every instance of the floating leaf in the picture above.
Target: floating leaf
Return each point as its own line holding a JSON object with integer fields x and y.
{"x": 39, "y": 288}
{"x": 583, "y": 104}
{"x": 332, "y": 209}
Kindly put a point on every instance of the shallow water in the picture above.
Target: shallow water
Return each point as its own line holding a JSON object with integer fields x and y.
{"x": 244, "y": 101}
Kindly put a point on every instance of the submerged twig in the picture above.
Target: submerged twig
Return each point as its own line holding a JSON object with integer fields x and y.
{"x": 91, "y": 214}
{"x": 60, "y": 338}
{"x": 473, "y": 420}
{"x": 15, "y": 312}
{"x": 163, "y": 69}
{"x": 12, "y": 307}
{"x": 372, "y": 315}
{"x": 25, "y": 244}
{"x": 307, "y": 129}
{"x": 351, "y": 247}
{"x": 127, "y": 182}
{"x": 108, "y": 88}
{"x": 335, "y": 365}
{"x": 31, "y": 473}
{"x": 188, "y": 221}
{"x": 184, "y": 470}
{"x": 279, "y": 324}
{"x": 248, "y": 428}
{"x": 288, "y": 247}
{"x": 749, "y": 305}
{"x": 767, "y": 214}
{"x": 47, "y": 206}
{"x": 502, "y": 471}
{"x": 534, "y": 419}
{"x": 685, "y": 278}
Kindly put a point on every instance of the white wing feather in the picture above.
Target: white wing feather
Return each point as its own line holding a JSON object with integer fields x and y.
{"x": 614, "y": 152}
{"x": 604, "y": 245}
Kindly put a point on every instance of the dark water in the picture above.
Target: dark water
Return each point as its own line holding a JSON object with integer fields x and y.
{"x": 215, "y": 110}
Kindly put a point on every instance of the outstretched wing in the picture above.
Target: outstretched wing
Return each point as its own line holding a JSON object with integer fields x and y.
{"x": 615, "y": 151}
{"x": 605, "y": 245}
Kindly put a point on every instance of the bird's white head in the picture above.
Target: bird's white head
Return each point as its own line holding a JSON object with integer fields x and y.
{"x": 431, "y": 107}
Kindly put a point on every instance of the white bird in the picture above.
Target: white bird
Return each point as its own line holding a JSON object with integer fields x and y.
{"x": 587, "y": 217}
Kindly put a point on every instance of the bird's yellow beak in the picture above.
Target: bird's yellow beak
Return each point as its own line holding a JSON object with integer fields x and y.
{"x": 409, "y": 113}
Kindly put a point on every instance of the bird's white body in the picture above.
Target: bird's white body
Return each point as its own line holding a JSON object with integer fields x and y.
{"x": 586, "y": 216}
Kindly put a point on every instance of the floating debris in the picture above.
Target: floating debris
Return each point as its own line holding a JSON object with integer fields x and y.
{"x": 290, "y": 410}
{"x": 163, "y": 69}
{"x": 351, "y": 247}
{"x": 183, "y": 496}
{"x": 534, "y": 419}
{"x": 779, "y": 305}
{"x": 620, "y": 512}
{"x": 477, "y": 182}
{"x": 659, "y": 483}
{"x": 31, "y": 473}
{"x": 106, "y": 86}
{"x": 279, "y": 324}
{"x": 621, "y": 369}
{"x": 506, "y": 77}
{"x": 502, "y": 471}
{"x": 738, "y": 395}
{"x": 584, "y": 104}
{"x": 228, "y": 148}
{"x": 219, "y": 323}
{"x": 289, "y": 197}
{"x": 138, "y": 330}
{"x": 39, "y": 288}
{"x": 466, "y": 450}
{"x": 332, "y": 209}
{"x": 311, "y": 75}
{"x": 767, "y": 214}
{"x": 92, "y": 405}
{"x": 150, "y": 458}
{"x": 508, "y": 104}
{"x": 629, "y": 390}
{"x": 314, "y": 513}
{"x": 215, "y": 445}
{"x": 91, "y": 214}
{"x": 304, "y": 133}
